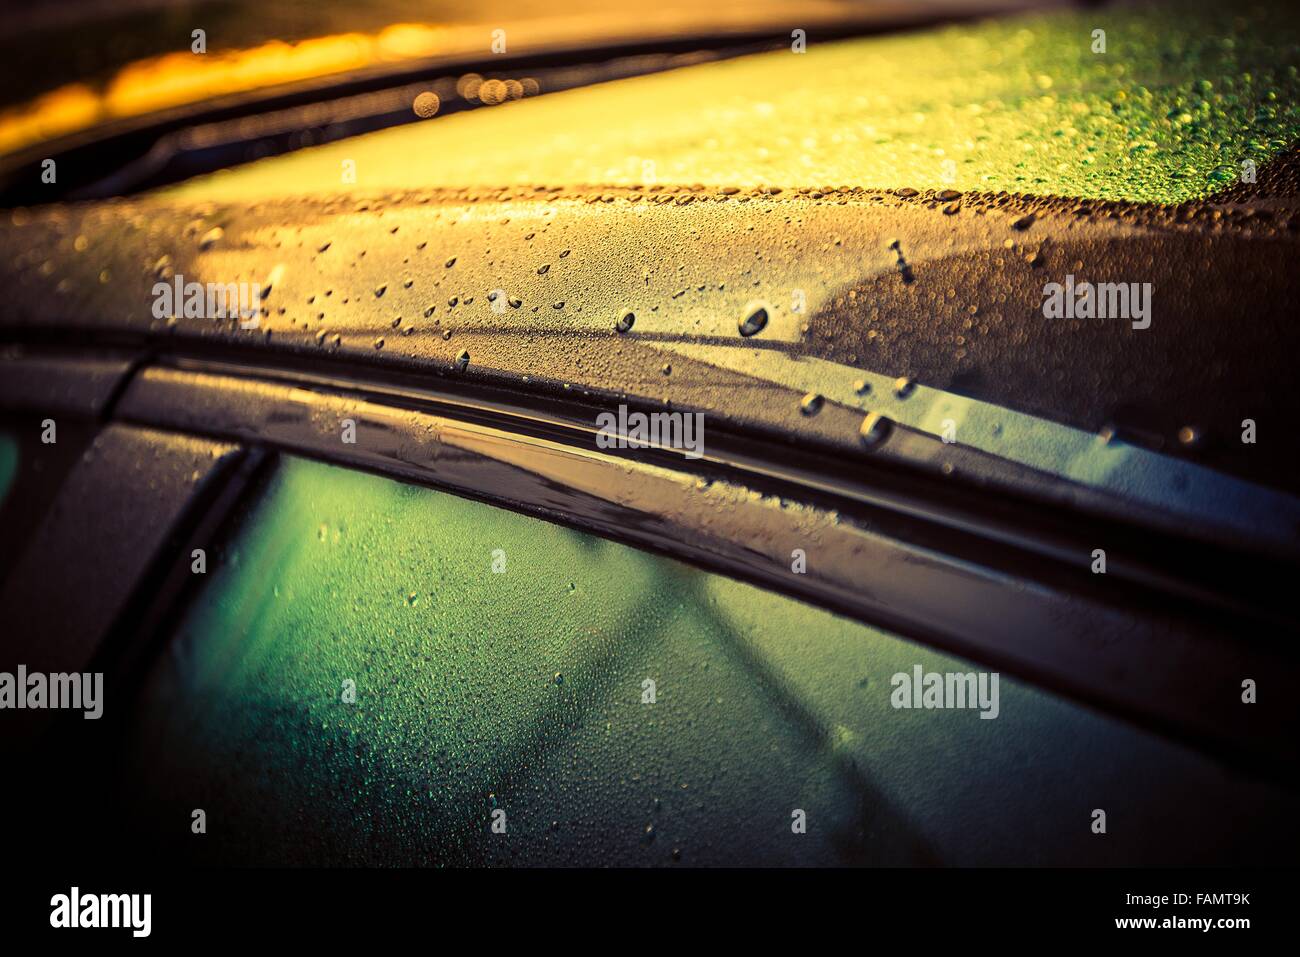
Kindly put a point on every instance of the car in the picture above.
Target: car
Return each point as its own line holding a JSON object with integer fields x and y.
{"x": 751, "y": 450}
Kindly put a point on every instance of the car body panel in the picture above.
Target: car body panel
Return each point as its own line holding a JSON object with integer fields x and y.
{"x": 406, "y": 283}
{"x": 112, "y": 516}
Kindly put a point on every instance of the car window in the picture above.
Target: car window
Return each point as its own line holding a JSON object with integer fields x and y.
{"x": 8, "y": 464}
{"x": 376, "y": 673}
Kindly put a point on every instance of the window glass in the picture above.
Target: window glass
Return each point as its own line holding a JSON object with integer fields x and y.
{"x": 1023, "y": 104}
{"x": 376, "y": 673}
{"x": 8, "y": 464}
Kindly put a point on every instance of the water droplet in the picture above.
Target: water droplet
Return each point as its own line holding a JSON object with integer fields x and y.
{"x": 426, "y": 104}
{"x": 754, "y": 319}
{"x": 626, "y": 319}
{"x": 211, "y": 237}
{"x": 862, "y": 387}
{"x": 874, "y": 429}
{"x": 811, "y": 403}
{"x": 1189, "y": 436}
{"x": 1023, "y": 222}
{"x": 462, "y": 360}
{"x": 904, "y": 387}
{"x": 380, "y": 290}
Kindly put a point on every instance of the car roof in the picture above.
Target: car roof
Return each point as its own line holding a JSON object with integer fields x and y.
{"x": 520, "y": 286}
{"x": 527, "y": 287}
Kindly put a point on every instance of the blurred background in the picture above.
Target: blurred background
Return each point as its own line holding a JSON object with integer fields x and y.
{"x": 72, "y": 64}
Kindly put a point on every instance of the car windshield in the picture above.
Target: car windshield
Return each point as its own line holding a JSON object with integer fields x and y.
{"x": 1016, "y": 104}
{"x": 74, "y": 64}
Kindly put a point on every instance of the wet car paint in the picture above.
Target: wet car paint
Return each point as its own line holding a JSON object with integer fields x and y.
{"x": 944, "y": 286}
{"x": 529, "y": 285}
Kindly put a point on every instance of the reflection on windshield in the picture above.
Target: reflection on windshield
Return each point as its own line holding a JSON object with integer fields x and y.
{"x": 145, "y": 62}
{"x": 1017, "y": 104}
